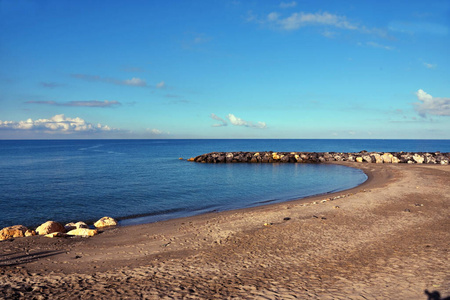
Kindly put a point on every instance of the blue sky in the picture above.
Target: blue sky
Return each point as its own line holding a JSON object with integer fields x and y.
{"x": 225, "y": 69}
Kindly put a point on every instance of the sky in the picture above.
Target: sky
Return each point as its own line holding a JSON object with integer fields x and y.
{"x": 224, "y": 69}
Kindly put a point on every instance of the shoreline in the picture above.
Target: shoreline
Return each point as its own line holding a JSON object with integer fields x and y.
{"x": 275, "y": 250}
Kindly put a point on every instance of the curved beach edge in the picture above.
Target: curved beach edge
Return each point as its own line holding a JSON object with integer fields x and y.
{"x": 388, "y": 236}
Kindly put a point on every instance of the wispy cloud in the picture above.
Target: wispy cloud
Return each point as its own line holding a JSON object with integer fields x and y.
{"x": 134, "y": 82}
{"x": 431, "y": 105}
{"x": 288, "y": 4}
{"x": 194, "y": 39}
{"x": 324, "y": 20}
{"x": 56, "y": 124}
{"x": 92, "y": 103}
{"x": 414, "y": 28}
{"x": 130, "y": 82}
{"x": 161, "y": 85}
{"x": 430, "y": 66}
{"x": 51, "y": 85}
{"x": 132, "y": 69}
{"x": 302, "y": 19}
{"x": 217, "y": 118}
{"x": 241, "y": 122}
{"x": 172, "y": 96}
{"x": 377, "y": 45}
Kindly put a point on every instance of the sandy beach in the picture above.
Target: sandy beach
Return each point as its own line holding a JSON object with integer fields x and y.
{"x": 388, "y": 238}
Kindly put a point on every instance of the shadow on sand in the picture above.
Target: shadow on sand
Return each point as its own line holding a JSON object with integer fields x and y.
{"x": 18, "y": 258}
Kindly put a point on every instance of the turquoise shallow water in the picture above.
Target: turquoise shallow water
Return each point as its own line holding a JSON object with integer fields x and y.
{"x": 140, "y": 181}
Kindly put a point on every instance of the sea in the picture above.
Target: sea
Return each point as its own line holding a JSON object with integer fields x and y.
{"x": 144, "y": 181}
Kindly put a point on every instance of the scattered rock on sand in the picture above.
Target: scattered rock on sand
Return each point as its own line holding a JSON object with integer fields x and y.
{"x": 55, "y": 234}
{"x": 50, "y": 227}
{"x": 12, "y": 232}
{"x": 30, "y": 232}
{"x": 72, "y": 226}
{"x": 105, "y": 222}
{"x": 83, "y": 232}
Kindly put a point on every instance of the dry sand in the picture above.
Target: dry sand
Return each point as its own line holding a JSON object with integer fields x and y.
{"x": 386, "y": 239}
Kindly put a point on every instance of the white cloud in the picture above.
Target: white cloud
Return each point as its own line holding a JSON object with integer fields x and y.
{"x": 288, "y": 4}
{"x": 431, "y": 105}
{"x": 217, "y": 118}
{"x": 161, "y": 85}
{"x": 155, "y": 131}
{"x": 240, "y": 122}
{"x": 236, "y": 121}
{"x": 56, "y": 124}
{"x": 430, "y": 66}
{"x": 135, "y": 82}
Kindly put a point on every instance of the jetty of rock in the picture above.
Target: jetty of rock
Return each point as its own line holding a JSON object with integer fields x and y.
{"x": 321, "y": 157}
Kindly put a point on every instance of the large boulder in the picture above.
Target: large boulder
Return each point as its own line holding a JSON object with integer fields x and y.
{"x": 418, "y": 158}
{"x": 367, "y": 158}
{"x": 105, "y": 222}
{"x": 387, "y": 157}
{"x": 378, "y": 158}
{"x": 50, "y": 227}
{"x": 12, "y": 232}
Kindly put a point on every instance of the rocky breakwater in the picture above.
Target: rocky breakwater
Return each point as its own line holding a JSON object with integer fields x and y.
{"x": 322, "y": 157}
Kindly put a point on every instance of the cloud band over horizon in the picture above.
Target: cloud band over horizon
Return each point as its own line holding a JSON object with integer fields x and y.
{"x": 56, "y": 124}
{"x": 92, "y": 103}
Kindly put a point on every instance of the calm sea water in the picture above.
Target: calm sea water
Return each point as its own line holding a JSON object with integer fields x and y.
{"x": 139, "y": 181}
